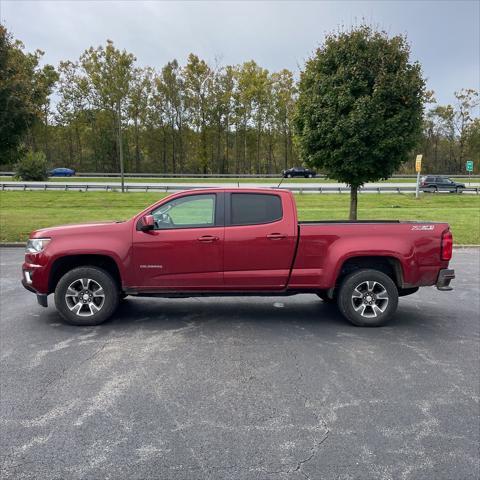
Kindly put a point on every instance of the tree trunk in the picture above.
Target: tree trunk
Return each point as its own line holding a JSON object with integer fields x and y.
{"x": 227, "y": 158}
{"x": 120, "y": 146}
{"x": 137, "y": 146}
{"x": 353, "y": 202}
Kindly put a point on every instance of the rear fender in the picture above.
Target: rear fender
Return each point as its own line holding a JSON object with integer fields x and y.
{"x": 399, "y": 251}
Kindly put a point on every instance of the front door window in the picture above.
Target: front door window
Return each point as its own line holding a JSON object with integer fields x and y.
{"x": 194, "y": 211}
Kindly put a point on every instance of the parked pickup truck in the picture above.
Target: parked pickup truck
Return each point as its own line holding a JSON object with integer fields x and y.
{"x": 213, "y": 242}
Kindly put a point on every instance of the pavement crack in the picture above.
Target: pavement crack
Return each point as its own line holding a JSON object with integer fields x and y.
{"x": 313, "y": 452}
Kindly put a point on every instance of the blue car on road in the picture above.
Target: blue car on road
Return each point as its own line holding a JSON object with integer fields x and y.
{"x": 61, "y": 172}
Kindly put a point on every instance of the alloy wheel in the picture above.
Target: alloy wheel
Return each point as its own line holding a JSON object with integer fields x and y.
{"x": 370, "y": 299}
{"x": 85, "y": 297}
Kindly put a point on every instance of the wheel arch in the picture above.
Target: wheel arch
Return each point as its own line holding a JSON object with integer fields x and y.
{"x": 389, "y": 265}
{"x": 68, "y": 262}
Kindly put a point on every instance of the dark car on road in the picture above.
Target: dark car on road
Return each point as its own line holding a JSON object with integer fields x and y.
{"x": 298, "y": 172}
{"x": 61, "y": 172}
{"x": 437, "y": 183}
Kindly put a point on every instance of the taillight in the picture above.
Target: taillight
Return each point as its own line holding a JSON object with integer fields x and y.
{"x": 447, "y": 245}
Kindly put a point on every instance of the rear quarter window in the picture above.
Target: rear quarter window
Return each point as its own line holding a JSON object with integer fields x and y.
{"x": 254, "y": 208}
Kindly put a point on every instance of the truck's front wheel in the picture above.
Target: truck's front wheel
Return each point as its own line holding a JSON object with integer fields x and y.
{"x": 86, "y": 296}
{"x": 368, "y": 298}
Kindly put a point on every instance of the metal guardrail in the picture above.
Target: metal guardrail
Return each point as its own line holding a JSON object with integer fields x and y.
{"x": 176, "y": 188}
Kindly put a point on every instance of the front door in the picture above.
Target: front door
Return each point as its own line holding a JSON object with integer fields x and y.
{"x": 185, "y": 249}
{"x": 259, "y": 242}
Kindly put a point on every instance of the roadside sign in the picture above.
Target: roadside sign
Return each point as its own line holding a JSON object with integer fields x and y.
{"x": 418, "y": 169}
{"x": 469, "y": 165}
{"x": 418, "y": 163}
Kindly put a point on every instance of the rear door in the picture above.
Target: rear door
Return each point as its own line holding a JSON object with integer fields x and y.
{"x": 185, "y": 250}
{"x": 260, "y": 239}
{"x": 443, "y": 183}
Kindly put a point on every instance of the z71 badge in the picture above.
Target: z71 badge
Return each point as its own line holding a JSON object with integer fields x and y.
{"x": 423, "y": 227}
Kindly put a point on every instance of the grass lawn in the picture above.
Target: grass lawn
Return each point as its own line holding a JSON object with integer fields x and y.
{"x": 195, "y": 180}
{"x": 22, "y": 212}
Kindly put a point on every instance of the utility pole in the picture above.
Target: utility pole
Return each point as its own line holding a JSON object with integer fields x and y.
{"x": 120, "y": 145}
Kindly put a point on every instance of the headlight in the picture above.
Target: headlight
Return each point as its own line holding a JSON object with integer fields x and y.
{"x": 36, "y": 245}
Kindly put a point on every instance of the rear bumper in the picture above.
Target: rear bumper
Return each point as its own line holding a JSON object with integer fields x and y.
{"x": 445, "y": 276}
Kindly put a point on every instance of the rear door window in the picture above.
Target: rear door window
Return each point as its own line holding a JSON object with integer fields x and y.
{"x": 254, "y": 208}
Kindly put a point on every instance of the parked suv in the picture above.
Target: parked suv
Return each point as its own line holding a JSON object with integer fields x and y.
{"x": 298, "y": 172}
{"x": 431, "y": 184}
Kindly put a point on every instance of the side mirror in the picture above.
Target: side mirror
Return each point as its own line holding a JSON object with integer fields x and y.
{"x": 148, "y": 223}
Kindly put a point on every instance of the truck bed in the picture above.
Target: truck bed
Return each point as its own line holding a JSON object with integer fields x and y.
{"x": 323, "y": 245}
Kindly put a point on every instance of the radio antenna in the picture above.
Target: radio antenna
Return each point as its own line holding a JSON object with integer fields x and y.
{"x": 283, "y": 178}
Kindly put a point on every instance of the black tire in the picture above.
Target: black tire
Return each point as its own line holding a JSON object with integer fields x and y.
{"x": 85, "y": 281}
{"x": 459, "y": 190}
{"x": 376, "y": 311}
{"x": 326, "y": 298}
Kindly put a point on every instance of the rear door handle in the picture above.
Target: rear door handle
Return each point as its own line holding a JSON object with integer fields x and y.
{"x": 207, "y": 238}
{"x": 276, "y": 236}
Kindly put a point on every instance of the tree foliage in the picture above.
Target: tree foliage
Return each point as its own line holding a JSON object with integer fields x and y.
{"x": 451, "y": 134}
{"x": 205, "y": 117}
{"x": 24, "y": 94}
{"x": 360, "y": 107}
{"x": 31, "y": 167}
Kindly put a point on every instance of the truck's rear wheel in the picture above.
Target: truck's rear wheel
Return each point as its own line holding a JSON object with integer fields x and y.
{"x": 86, "y": 296}
{"x": 368, "y": 298}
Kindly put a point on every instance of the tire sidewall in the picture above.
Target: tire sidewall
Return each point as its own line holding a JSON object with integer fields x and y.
{"x": 104, "y": 279}
{"x": 344, "y": 298}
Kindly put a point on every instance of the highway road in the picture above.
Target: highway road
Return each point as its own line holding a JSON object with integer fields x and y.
{"x": 230, "y": 388}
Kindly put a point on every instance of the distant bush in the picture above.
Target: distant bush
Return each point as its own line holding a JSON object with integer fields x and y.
{"x": 33, "y": 166}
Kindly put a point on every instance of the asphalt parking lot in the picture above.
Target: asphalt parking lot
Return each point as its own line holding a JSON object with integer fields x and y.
{"x": 242, "y": 388}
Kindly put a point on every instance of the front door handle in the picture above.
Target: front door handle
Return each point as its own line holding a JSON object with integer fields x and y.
{"x": 207, "y": 238}
{"x": 276, "y": 236}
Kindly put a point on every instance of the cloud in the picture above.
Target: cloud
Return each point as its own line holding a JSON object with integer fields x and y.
{"x": 444, "y": 35}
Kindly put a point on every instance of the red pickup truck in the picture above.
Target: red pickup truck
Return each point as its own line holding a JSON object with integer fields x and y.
{"x": 212, "y": 242}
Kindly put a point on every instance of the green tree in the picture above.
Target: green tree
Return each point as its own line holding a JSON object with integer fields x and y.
{"x": 360, "y": 107}
{"x": 472, "y": 142}
{"x": 32, "y": 167}
{"x": 109, "y": 72}
{"x": 170, "y": 90}
{"x": 24, "y": 92}
{"x": 284, "y": 97}
{"x": 138, "y": 102}
{"x": 198, "y": 82}
{"x": 467, "y": 100}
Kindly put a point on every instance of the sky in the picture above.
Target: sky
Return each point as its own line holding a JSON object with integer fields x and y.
{"x": 444, "y": 35}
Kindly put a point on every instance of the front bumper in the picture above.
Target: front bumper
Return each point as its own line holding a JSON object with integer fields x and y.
{"x": 42, "y": 298}
{"x": 445, "y": 276}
